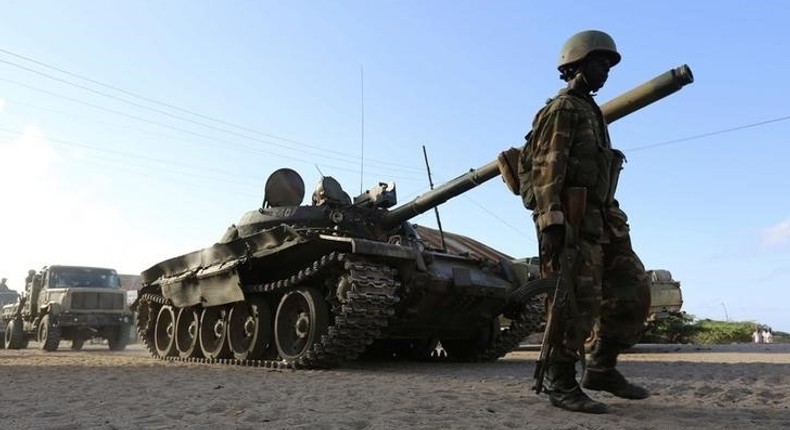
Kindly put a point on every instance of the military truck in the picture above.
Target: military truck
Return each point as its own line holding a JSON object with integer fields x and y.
{"x": 73, "y": 303}
{"x": 666, "y": 298}
{"x": 6, "y": 298}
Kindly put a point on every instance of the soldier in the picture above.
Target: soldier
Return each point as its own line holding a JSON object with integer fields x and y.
{"x": 3, "y": 286}
{"x": 29, "y": 279}
{"x": 569, "y": 147}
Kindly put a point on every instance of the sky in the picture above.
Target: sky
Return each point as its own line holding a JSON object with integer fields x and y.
{"x": 136, "y": 131}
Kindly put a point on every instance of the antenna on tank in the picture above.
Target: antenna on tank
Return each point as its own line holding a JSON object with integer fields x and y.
{"x": 362, "y": 145}
{"x": 435, "y": 208}
{"x": 319, "y": 171}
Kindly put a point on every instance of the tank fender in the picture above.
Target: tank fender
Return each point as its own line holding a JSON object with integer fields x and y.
{"x": 374, "y": 248}
{"x": 211, "y": 288}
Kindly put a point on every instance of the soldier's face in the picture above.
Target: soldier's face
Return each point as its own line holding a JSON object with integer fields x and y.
{"x": 596, "y": 70}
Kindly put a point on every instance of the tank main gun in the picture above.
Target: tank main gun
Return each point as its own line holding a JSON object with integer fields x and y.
{"x": 645, "y": 94}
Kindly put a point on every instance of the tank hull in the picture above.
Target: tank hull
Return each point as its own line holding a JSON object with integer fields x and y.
{"x": 375, "y": 294}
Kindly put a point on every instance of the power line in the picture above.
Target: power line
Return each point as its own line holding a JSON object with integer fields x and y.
{"x": 95, "y": 121}
{"x": 116, "y": 112}
{"x": 224, "y": 144}
{"x": 143, "y": 158}
{"x": 170, "y": 106}
{"x": 502, "y": 220}
{"x": 712, "y": 133}
{"x": 481, "y": 207}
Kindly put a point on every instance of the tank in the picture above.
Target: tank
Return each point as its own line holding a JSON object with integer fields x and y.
{"x": 312, "y": 286}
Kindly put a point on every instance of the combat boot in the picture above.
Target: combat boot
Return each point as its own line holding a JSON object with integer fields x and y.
{"x": 565, "y": 393}
{"x": 601, "y": 374}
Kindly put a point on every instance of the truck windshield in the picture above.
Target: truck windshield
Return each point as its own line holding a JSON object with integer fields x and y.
{"x": 84, "y": 277}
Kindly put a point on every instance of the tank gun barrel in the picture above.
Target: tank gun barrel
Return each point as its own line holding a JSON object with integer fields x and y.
{"x": 649, "y": 92}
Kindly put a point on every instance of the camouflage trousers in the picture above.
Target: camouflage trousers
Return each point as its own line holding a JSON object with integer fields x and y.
{"x": 612, "y": 296}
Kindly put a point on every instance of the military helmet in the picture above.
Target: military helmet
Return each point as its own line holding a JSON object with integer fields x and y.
{"x": 581, "y": 44}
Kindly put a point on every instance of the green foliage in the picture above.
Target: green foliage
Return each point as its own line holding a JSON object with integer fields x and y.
{"x": 710, "y": 331}
{"x": 678, "y": 328}
{"x": 684, "y": 328}
{"x": 781, "y": 337}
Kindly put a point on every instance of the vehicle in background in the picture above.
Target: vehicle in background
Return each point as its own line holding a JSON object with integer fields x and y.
{"x": 6, "y": 298}
{"x": 73, "y": 303}
{"x": 666, "y": 298}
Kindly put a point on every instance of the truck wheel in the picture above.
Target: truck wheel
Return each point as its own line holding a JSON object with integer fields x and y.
{"x": 76, "y": 343}
{"x": 117, "y": 337}
{"x": 14, "y": 336}
{"x": 48, "y": 334}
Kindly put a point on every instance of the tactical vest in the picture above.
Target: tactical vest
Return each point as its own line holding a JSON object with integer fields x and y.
{"x": 591, "y": 163}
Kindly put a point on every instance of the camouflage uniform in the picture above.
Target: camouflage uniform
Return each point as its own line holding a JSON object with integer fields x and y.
{"x": 571, "y": 148}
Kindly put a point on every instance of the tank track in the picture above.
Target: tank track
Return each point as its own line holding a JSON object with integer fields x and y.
{"x": 530, "y": 320}
{"x": 359, "y": 318}
{"x": 510, "y": 338}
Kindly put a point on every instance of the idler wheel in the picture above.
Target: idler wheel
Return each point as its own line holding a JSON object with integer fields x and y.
{"x": 250, "y": 329}
{"x": 302, "y": 318}
{"x": 187, "y": 330}
{"x": 164, "y": 339}
{"x": 213, "y": 332}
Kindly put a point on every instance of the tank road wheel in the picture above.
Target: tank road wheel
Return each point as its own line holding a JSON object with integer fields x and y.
{"x": 164, "y": 341}
{"x": 48, "y": 334}
{"x": 302, "y": 317}
{"x": 213, "y": 336}
{"x": 14, "y": 336}
{"x": 187, "y": 329}
{"x": 250, "y": 328}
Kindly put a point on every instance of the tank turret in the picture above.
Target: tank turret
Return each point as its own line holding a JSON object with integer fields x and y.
{"x": 311, "y": 286}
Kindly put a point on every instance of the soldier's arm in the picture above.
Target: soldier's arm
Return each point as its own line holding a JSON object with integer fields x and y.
{"x": 550, "y": 159}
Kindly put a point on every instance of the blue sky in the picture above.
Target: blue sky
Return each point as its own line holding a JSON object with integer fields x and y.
{"x": 214, "y": 96}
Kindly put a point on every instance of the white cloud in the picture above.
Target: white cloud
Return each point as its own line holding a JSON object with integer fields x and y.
{"x": 776, "y": 235}
{"x": 48, "y": 218}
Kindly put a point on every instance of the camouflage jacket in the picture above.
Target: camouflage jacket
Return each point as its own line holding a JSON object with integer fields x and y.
{"x": 571, "y": 148}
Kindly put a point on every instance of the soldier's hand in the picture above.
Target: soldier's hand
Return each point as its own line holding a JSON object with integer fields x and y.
{"x": 552, "y": 240}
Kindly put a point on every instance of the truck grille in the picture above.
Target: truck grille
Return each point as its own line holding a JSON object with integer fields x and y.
{"x": 103, "y": 301}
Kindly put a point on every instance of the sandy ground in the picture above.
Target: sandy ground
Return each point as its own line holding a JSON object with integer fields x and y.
{"x": 713, "y": 387}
